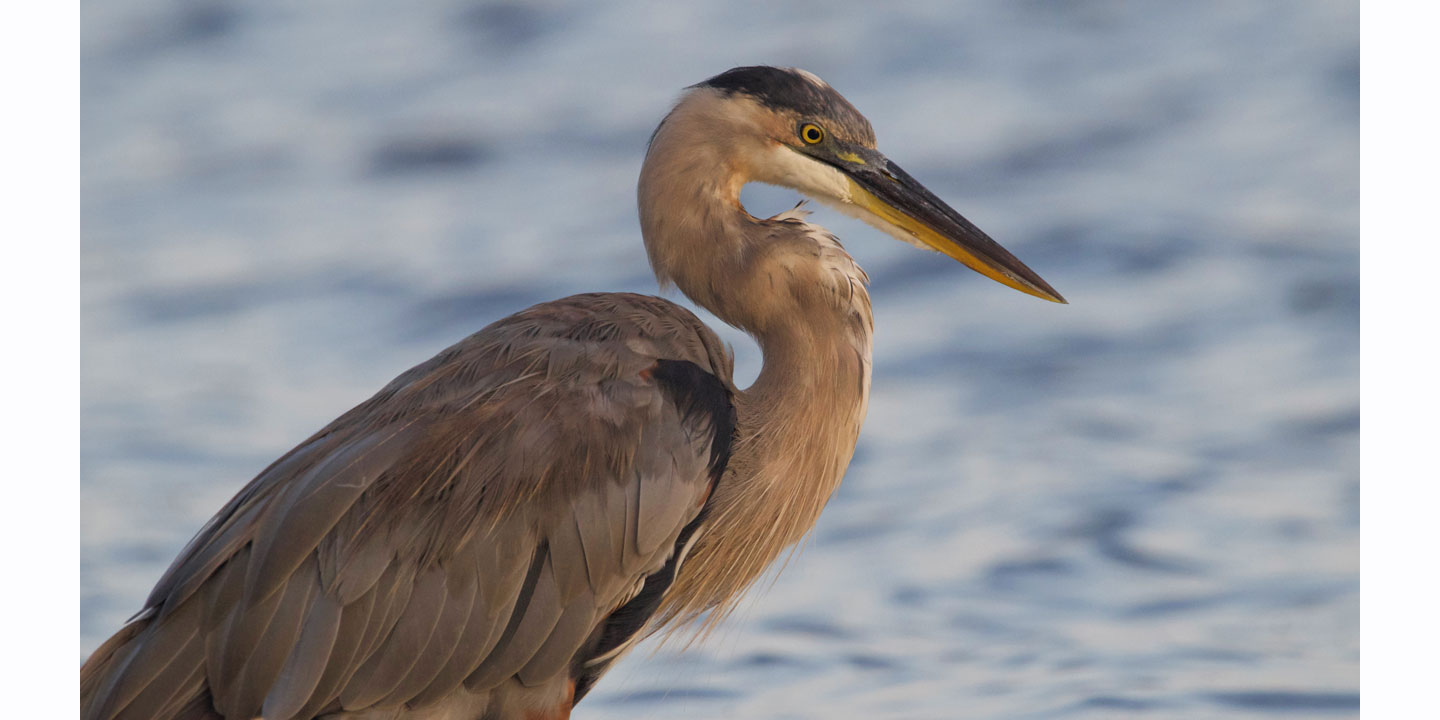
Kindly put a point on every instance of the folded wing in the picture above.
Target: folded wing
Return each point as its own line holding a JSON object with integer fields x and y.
{"x": 470, "y": 531}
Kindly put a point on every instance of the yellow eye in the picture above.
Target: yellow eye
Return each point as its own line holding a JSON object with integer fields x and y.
{"x": 811, "y": 133}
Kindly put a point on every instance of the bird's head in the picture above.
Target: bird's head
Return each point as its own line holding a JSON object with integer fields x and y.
{"x": 787, "y": 127}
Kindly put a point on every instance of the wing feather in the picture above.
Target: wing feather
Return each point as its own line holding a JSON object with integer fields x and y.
{"x": 460, "y": 589}
{"x": 392, "y": 595}
{"x": 400, "y": 651}
{"x": 159, "y": 649}
{"x": 664, "y": 504}
{"x": 306, "y": 665}
{"x": 343, "y": 659}
{"x": 567, "y": 557}
{"x": 492, "y": 606}
{"x": 180, "y": 694}
{"x": 558, "y": 650}
{"x": 245, "y": 695}
{"x": 293, "y": 527}
{"x": 237, "y": 636}
{"x": 592, "y": 526}
{"x": 534, "y": 617}
{"x": 177, "y": 679}
{"x": 472, "y": 525}
{"x": 228, "y": 531}
{"x": 351, "y": 564}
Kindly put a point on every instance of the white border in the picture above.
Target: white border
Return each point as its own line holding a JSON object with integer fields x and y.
{"x": 40, "y": 312}
{"x": 1400, "y": 245}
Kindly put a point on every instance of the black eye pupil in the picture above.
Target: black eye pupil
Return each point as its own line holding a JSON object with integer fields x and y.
{"x": 812, "y": 133}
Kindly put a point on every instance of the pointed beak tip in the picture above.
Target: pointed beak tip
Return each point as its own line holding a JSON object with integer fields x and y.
{"x": 1045, "y": 293}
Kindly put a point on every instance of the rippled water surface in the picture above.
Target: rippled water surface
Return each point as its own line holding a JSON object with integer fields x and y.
{"x": 1143, "y": 504}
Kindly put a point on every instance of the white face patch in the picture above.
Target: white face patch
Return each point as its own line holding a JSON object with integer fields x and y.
{"x": 788, "y": 168}
{"x": 784, "y": 167}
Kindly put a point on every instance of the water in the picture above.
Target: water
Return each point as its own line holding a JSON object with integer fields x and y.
{"x": 1142, "y": 504}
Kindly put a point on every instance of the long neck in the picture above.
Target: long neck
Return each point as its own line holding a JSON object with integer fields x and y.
{"x": 792, "y": 287}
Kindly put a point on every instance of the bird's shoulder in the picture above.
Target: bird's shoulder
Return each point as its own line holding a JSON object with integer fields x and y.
{"x": 577, "y": 339}
{"x": 531, "y": 411}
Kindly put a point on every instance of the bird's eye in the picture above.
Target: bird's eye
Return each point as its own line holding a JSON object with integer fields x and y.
{"x": 811, "y": 133}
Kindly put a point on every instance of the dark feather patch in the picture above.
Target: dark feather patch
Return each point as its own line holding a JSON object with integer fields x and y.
{"x": 774, "y": 87}
{"x": 700, "y": 395}
{"x": 786, "y": 89}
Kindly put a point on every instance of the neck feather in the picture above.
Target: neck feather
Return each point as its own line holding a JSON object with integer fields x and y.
{"x": 792, "y": 287}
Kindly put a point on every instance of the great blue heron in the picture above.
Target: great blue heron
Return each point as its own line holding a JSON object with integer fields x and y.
{"x": 484, "y": 537}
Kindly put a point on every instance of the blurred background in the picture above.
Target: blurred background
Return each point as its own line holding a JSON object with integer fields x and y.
{"x": 1143, "y": 504}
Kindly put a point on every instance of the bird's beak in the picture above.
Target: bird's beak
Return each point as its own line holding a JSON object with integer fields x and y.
{"x": 907, "y": 210}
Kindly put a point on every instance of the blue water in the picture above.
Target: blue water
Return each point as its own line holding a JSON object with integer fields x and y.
{"x": 1143, "y": 504}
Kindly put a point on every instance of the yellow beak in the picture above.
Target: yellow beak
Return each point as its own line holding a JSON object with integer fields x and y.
{"x": 882, "y": 189}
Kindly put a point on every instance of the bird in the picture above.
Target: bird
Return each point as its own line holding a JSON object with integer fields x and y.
{"x": 488, "y": 534}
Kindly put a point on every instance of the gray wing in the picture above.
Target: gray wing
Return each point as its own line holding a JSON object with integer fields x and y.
{"x": 477, "y": 522}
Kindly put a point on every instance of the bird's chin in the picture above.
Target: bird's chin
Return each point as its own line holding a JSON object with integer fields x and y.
{"x": 790, "y": 168}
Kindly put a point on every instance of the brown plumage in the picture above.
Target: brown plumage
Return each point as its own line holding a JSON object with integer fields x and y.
{"x": 485, "y": 536}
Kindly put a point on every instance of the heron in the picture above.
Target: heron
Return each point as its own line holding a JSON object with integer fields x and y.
{"x": 490, "y": 532}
